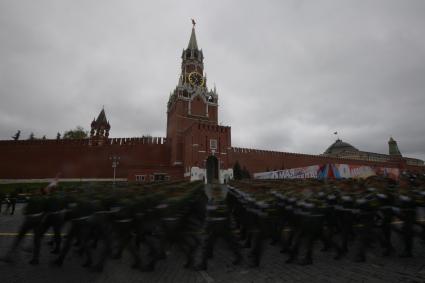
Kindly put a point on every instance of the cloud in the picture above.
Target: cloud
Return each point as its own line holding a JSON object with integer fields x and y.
{"x": 288, "y": 73}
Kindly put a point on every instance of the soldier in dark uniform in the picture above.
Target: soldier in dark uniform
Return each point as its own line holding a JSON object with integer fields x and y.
{"x": 330, "y": 228}
{"x": 364, "y": 230}
{"x": 12, "y": 202}
{"x": 77, "y": 213}
{"x": 263, "y": 217}
{"x": 407, "y": 213}
{"x": 308, "y": 229}
{"x": 2, "y": 198}
{"x": 385, "y": 217}
{"x": 345, "y": 219}
{"x": 54, "y": 218}
{"x": 123, "y": 226}
{"x": 289, "y": 223}
{"x": 218, "y": 225}
{"x": 34, "y": 213}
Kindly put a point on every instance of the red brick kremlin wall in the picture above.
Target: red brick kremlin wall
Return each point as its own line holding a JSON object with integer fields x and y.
{"x": 263, "y": 160}
{"x": 39, "y": 159}
{"x": 34, "y": 159}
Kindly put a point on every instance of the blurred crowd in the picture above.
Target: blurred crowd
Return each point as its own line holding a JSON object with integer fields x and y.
{"x": 100, "y": 224}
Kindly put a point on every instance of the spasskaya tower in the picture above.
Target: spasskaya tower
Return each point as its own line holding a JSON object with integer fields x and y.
{"x": 192, "y": 103}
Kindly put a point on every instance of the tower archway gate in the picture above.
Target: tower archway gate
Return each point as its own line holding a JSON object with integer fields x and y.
{"x": 213, "y": 170}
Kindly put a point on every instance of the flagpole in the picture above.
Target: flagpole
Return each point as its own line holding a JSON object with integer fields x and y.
{"x": 336, "y": 134}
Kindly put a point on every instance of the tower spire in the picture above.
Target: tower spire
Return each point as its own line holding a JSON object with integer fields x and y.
{"x": 193, "y": 45}
{"x": 99, "y": 129}
{"x": 393, "y": 147}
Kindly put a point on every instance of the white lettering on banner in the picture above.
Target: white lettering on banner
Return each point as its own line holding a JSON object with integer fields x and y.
{"x": 340, "y": 171}
{"x": 294, "y": 173}
{"x": 362, "y": 171}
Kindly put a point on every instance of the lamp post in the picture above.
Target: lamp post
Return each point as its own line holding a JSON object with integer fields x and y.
{"x": 115, "y": 162}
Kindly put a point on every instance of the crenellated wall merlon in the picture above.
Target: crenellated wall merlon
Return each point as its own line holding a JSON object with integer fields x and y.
{"x": 86, "y": 142}
{"x": 280, "y": 154}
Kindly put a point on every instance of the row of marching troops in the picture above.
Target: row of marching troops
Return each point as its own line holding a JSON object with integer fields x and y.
{"x": 343, "y": 215}
{"x": 146, "y": 221}
{"x": 102, "y": 223}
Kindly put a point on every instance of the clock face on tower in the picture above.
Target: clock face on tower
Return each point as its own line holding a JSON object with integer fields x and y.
{"x": 196, "y": 78}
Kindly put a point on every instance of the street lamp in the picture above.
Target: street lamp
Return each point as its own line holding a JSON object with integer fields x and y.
{"x": 115, "y": 162}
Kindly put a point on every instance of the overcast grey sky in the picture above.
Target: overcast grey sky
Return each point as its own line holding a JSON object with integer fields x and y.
{"x": 288, "y": 73}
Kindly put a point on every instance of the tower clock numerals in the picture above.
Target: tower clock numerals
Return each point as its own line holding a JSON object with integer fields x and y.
{"x": 196, "y": 78}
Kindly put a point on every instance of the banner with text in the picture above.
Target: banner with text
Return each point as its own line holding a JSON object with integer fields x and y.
{"x": 330, "y": 171}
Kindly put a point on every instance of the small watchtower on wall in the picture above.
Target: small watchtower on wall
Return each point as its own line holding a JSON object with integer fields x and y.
{"x": 100, "y": 127}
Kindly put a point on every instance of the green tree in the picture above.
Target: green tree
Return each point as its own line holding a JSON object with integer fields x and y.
{"x": 31, "y": 137}
{"x": 58, "y": 136}
{"x": 17, "y": 135}
{"x": 245, "y": 173}
{"x": 237, "y": 172}
{"x": 77, "y": 133}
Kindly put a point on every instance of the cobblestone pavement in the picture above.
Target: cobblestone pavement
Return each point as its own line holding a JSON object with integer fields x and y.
{"x": 220, "y": 269}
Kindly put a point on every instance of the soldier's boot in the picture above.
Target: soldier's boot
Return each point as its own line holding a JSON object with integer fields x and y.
{"x": 255, "y": 254}
{"x": 106, "y": 250}
{"x": 202, "y": 257}
{"x": 248, "y": 241}
{"x": 234, "y": 246}
{"x": 189, "y": 261}
{"x": 134, "y": 251}
{"x": 291, "y": 258}
{"x": 387, "y": 249}
{"x": 360, "y": 258}
{"x": 56, "y": 250}
{"x": 293, "y": 252}
{"x": 37, "y": 245}
{"x": 422, "y": 233}
{"x": 97, "y": 268}
{"x": 57, "y": 240}
{"x": 201, "y": 266}
{"x": 305, "y": 261}
{"x": 58, "y": 262}
{"x": 65, "y": 249}
{"x": 136, "y": 262}
{"x": 154, "y": 254}
{"x": 89, "y": 261}
{"x": 406, "y": 253}
{"x": 326, "y": 238}
{"x": 287, "y": 239}
{"x": 34, "y": 261}
{"x": 150, "y": 266}
{"x": 8, "y": 258}
{"x": 308, "y": 258}
{"x": 361, "y": 250}
{"x": 295, "y": 244}
{"x": 253, "y": 260}
{"x": 408, "y": 241}
{"x": 38, "y": 234}
{"x": 340, "y": 253}
{"x": 117, "y": 254}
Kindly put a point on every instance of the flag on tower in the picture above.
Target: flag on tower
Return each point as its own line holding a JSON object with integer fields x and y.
{"x": 335, "y": 133}
{"x": 193, "y": 22}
